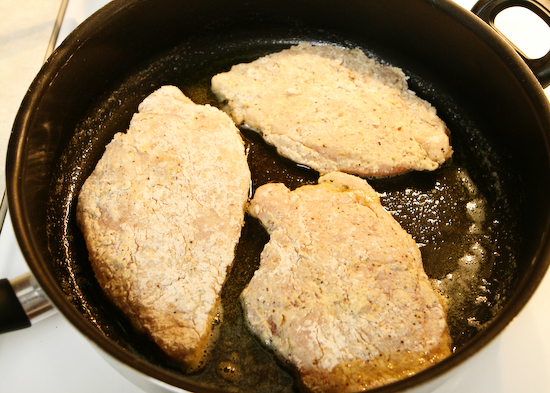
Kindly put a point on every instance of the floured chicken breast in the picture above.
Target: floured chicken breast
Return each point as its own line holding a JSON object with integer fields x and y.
{"x": 335, "y": 109}
{"x": 162, "y": 213}
{"x": 341, "y": 292}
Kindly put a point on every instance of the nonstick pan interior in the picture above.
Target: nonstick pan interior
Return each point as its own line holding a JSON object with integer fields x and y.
{"x": 479, "y": 219}
{"x": 461, "y": 214}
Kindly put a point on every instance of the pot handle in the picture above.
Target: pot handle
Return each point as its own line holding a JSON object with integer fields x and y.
{"x": 22, "y": 301}
{"x": 489, "y": 9}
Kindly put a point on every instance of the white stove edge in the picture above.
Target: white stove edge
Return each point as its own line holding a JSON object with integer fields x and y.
{"x": 52, "y": 356}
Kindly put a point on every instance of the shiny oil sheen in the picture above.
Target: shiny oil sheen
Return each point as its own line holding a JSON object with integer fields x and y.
{"x": 461, "y": 216}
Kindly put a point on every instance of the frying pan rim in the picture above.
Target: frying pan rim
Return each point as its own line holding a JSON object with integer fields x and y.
{"x": 26, "y": 240}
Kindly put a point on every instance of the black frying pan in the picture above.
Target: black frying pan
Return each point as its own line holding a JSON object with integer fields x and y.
{"x": 491, "y": 100}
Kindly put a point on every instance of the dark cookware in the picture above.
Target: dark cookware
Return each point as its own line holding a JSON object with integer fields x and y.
{"x": 482, "y": 219}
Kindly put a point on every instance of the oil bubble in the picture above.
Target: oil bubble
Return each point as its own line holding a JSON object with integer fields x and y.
{"x": 228, "y": 371}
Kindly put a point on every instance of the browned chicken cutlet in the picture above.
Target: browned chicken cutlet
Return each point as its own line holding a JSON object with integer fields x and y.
{"x": 335, "y": 109}
{"x": 162, "y": 213}
{"x": 341, "y": 292}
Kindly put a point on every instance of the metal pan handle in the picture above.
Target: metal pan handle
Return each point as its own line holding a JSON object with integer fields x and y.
{"x": 489, "y": 9}
{"x": 22, "y": 303}
{"x": 12, "y": 313}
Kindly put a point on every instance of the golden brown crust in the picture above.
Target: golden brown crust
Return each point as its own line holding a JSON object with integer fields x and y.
{"x": 341, "y": 292}
{"x": 358, "y": 375}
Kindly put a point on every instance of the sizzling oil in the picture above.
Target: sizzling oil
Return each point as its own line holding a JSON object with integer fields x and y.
{"x": 452, "y": 219}
{"x": 456, "y": 214}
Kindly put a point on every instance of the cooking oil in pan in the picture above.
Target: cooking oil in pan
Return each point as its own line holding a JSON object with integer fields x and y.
{"x": 457, "y": 225}
{"x": 456, "y": 214}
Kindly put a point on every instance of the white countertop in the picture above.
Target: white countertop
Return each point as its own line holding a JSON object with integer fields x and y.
{"x": 53, "y": 357}
{"x": 25, "y": 30}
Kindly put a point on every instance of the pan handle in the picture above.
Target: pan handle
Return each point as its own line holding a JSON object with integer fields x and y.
{"x": 22, "y": 301}
{"x": 489, "y": 9}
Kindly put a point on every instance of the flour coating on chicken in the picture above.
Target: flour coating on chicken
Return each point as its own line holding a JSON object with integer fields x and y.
{"x": 162, "y": 213}
{"x": 341, "y": 292}
{"x": 335, "y": 109}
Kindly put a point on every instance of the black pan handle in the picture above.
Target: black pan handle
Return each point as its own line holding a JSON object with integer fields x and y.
{"x": 22, "y": 301}
{"x": 12, "y": 313}
{"x": 489, "y": 9}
